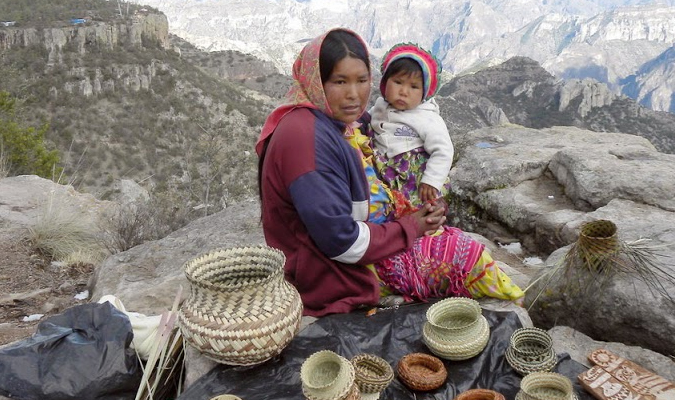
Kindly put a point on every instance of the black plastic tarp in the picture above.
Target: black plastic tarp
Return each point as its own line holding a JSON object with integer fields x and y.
{"x": 83, "y": 353}
{"x": 390, "y": 334}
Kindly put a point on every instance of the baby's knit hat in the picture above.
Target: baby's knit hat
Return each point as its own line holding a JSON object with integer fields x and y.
{"x": 431, "y": 67}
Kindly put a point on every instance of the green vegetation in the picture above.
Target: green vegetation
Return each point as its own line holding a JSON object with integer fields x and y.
{"x": 22, "y": 149}
{"x": 42, "y": 14}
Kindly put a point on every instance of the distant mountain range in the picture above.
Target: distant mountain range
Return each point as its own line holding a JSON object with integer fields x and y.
{"x": 626, "y": 44}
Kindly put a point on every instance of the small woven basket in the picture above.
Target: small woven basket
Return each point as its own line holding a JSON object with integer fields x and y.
{"x": 325, "y": 375}
{"x": 479, "y": 394}
{"x": 598, "y": 241}
{"x": 531, "y": 350}
{"x": 422, "y": 372}
{"x": 240, "y": 310}
{"x": 373, "y": 373}
{"x": 545, "y": 386}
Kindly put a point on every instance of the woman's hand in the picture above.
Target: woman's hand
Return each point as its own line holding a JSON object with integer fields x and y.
{"x": 427, "y": 192}
{"x": 429, "y": 218}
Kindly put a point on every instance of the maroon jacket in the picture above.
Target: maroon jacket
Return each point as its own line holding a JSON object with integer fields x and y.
{"x": 315, "y": 200}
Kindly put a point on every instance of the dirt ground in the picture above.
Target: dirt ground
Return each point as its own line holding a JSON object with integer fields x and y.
{"x": 30, "y": 284}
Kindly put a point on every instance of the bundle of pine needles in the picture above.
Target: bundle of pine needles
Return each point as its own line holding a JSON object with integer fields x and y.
{"x": 598, "y": 256}
{"x": 163, "y": 371}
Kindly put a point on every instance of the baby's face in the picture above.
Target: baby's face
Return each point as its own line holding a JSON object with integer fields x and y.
{"x": 404, "y": 91}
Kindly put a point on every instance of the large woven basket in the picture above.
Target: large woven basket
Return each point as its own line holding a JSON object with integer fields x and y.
{"x": 545, "y": 386}
{"x": 326, "y": 375}
{"x": 531, "y": 350}
{"x": 240, "y": 311}
{"x": 422, "y": 372}
{"x": 479, "y": 394}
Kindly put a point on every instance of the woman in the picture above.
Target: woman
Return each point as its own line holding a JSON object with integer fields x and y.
{"x": 318, "y": 205}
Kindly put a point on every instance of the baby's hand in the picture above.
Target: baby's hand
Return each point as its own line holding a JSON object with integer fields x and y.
{"x": 427, "y": 193}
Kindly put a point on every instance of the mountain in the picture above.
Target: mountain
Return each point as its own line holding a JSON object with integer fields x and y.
{"x": 519, "y": 91}
{"x": 604, "y": 40}
{"x": 122, "y": 102}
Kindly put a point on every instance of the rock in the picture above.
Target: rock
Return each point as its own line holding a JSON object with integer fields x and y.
{"x": 625, "y": 306}
{"x": 146, "y": 278}
{"x": 578, "y": 346}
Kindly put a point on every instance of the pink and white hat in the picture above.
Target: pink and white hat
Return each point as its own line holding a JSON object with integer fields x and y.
{"x": 431, "y": 67}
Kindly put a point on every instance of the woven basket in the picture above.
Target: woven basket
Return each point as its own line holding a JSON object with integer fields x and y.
{"x": 240, "y": 311}
{"x": 455, "y": 318}
{"x": 531, "y": 350}
{"x": 422, "y": 372}
{"x": 545, "y": 386}
{"x": 325, "y": 375}
{"x": 373, "y": 373}
{"x": 479, "y": 394}
{"x": 598, "y": 241}
{"x": 460, "y": 347}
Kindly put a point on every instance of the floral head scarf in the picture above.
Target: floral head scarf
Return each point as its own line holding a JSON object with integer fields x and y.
{"x": 307, "y": 89}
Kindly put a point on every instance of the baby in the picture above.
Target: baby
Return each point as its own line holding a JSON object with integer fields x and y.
{"x": 413, "y": 147}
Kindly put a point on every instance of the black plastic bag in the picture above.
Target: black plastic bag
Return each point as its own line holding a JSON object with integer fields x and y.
{"x": 83, "y": 353}
{"x": 390, "y": 334}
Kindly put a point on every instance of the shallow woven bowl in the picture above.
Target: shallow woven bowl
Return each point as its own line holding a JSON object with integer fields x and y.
{"x": 454, "y": 317}
{"x": 545, "y": 386}
{"x": 480, "y": 394}
{"x": 325, "y": 375}
{"x": 372, "y": 373}
{"x": 422, "y": 372}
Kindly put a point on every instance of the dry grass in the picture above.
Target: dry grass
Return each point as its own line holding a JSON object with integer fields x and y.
{"x": 66, "y": 234}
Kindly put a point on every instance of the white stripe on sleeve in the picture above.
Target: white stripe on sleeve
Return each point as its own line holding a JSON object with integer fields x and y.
{"x": 358, "y": 249}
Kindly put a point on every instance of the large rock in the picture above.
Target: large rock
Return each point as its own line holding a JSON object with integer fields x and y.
{"x": 542, "y": 185}
{"x": 147, "y": 277}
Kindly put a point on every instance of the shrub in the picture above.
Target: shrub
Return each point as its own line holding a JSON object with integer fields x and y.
{"x": 23, "y": 148}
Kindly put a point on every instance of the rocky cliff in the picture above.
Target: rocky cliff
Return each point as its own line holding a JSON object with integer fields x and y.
{"x": 92, "y": 35}
{"x": 520, "y": 91}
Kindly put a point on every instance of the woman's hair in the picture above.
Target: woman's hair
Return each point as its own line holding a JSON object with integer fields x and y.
{"x": 402, "y": 65}
{"x": 337, "y": 45}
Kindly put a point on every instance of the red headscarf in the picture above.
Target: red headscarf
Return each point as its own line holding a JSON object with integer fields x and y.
{"x": 307, "y": 89}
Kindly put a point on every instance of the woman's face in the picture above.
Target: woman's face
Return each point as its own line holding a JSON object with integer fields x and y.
{"x": 347, "y": 89}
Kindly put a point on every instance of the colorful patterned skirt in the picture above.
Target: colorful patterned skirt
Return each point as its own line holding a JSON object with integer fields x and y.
{"x": 450, "y": 263}
{"x": 435, "y": 266}
{"x": 404, "y": 172}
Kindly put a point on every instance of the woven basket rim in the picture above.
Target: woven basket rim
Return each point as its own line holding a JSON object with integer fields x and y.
{"x": 270, "y": 253}
{"x": 479, "y": 394}
{"x": 537, "y": 380}
{"x": 530, "y": 335}
{"x": 587, "y": 228}
{"x": 454, "y": 306}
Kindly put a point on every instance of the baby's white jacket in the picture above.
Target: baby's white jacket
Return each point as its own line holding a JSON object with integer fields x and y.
{"x": 397, "y": 132}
